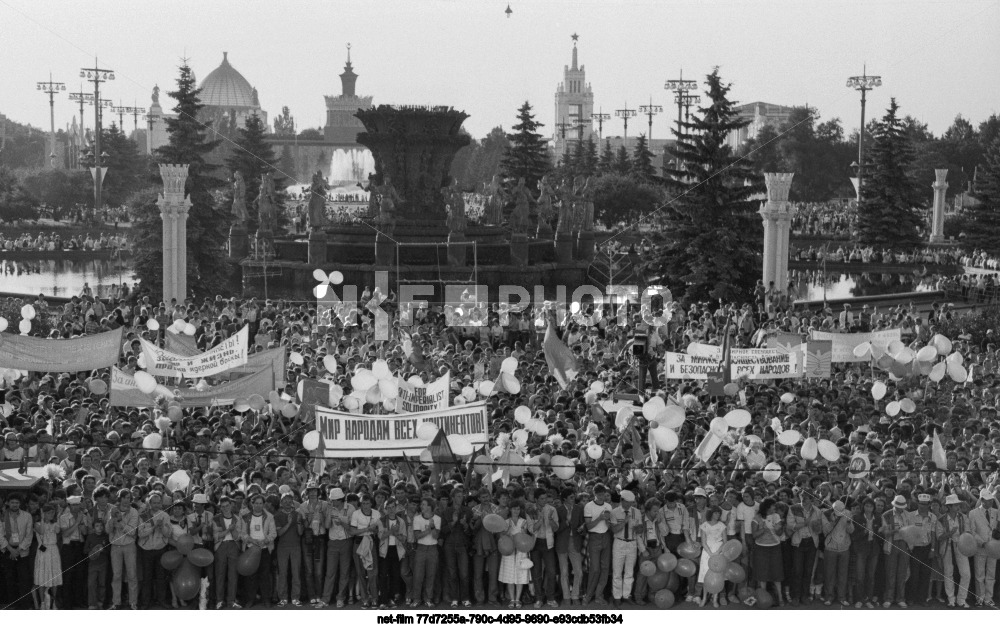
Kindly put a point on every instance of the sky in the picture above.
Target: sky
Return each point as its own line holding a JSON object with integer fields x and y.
{"x": 936, "y": 57}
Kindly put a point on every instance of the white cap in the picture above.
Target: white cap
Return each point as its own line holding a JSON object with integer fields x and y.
{"x": 628, "y": 496}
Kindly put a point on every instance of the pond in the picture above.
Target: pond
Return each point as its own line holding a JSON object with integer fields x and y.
{"x": 62, "y": 278}
{"x": 809, "y": 285}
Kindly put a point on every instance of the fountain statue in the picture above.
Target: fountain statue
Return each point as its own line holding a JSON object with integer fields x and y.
{"x": 317, "y": 202}
{"x": 267, "y": 214}
{"x": 239, "y": 211}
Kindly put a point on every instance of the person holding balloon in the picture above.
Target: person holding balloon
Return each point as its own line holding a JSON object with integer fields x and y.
{"x": 712, "y": 535}
{"x": 651, "y": 548}
{"x": 515, "y": 569}
{"x": 837, "y": 528}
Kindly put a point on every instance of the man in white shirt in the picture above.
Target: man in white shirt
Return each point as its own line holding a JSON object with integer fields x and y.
{"x": 626, "y": 522}
{"x": 983, "y": 521}
{"x": 597, "y": 514}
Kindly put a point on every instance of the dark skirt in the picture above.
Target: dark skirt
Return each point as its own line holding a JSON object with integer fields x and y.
{"x": 767, "y": 564}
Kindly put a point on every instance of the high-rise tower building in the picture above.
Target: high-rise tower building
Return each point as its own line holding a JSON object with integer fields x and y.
{"x": 574, "y": 106}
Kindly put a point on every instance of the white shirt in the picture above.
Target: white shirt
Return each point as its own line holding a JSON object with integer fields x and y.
{"x": 228, "y": 522}
{"x": 592, "y": 512}
{"x": 420, "y": 524}
{"x": 257, "y": 528}
{"x": 361, "y": 521}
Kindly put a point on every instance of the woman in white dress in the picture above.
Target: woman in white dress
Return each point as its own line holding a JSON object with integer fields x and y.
{"x": 48, "y": 566}
{"x": 511, "y": 572}
{"x": 712, "y": 534}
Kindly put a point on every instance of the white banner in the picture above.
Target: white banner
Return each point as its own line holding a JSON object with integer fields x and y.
{"x": 231, "y": 353}
{"x": 844, "y": 344}
{"x": 684, "y": 366}
{"x": 433, "y": 396}
{"x": 747, "y": 363}
{"x": 347, "y": 435}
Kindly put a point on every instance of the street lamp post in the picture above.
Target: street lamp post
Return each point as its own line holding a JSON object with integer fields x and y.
{"x": 121, "y": 111}
{"x": 650, "y": 110}
{"x": 687, "y": 100}
{"x": 680, "y": 88}
{"x": 600, "y": 117}
{"x": 98, "y": 75}
{"x": 562, "y": 126}
{"x": 136, "y": 112}
{"x": 625, "y": 114}
{"x": 52, "y": 89}
{"x": 863, "y": 84}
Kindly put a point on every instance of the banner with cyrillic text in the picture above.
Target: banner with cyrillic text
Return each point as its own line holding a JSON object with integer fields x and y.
{"x": 276, "y": 358}
{"x": 230, "y": 353}
{"x": 86, "y": 353}
{"x": 433, "y": 396}
{"x": 181, "y": 344}
{"x": 844, "y": 344}
{"x": 753, "y": 364}
{"x": 347, "y": 435}
{"x": 684, "y": 366}
{"x": 124, "y": 391}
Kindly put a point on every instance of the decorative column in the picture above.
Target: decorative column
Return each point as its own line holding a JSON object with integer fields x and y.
{"x": 776, "y": 215}
{"x": 174, "y": 207}
{"x": 940, "y": 186}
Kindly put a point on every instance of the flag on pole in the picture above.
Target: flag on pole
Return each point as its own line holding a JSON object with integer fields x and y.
{"x": 938, "y": 456}
{"x": 727, "y": 354}
{"x": 411, "y": 473}
{"x": 559, "y": 358}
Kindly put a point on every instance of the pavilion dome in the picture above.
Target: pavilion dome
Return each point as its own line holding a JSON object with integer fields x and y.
{"x": 225, "y": 87}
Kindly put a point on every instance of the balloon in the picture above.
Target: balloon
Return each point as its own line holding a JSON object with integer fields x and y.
{"x": 241, "y": 405}
{"x": 363, "y": 379}
{"x": 189, "y": 329}
{"x": 907, "y": 405}
{"x": 3, "y": 323}
{"x": 673, "y": 581}
{"x": 731, "y": 549}
{"x": 809, "y": 449}
{"x": 255, "y": 401}
{"x": 509, "y": 365}
{"x": 185, "y": 543}
{"x": 28, "y": 312}
{"x": 515, "y": 464}
{"x": 563, "y": 467}
{"x": 714, "y": 581}
{"x": 787, "y": 398}
{"x": 967, "y": 544}
{"x": 878, "y": 390}
{"x": 764, "y": 599}
{"x": 942, "y": 344}
{"x": 905, "y": 356}
{"x": 426, "y": 457}
{"x": 510, "y": 383}
{"x": 483, "y": 464}
{"x": 187, "y": 581}
{"x": 647, "y": 568}
{"x": 652, "y": 407}
{"x": 717, "y": 563}
{"x": 330, "y": 363}
{"x": 310, "y": 441}
{"x": 540, "y": 428}
{"x": 689, "y": 550}
{"x": 426, "y": 431}
{"x": 885, "y": 362}
{"x": 520, "y": 437}
{"x": 772, "y": 472}
{"x": 664, "y": 599}
{"x": 145, "y": 382}
{"x": 460, "y": 445}
{"x": 178, "y": 481}
{"x": 666, "y": 562}
{"x": 597, "y": 386}
{"x": 665, "y": 439}
{"x": 152, "y": 324}
{"x": 672, "y": 417}
{"x": 524, "y": 542}
{"x": 248, "y": 561}
{"x": 927, "y": 354}
{"x": 892, "y": 408}
{"x": 97, "y": 386}
{"x": 522, "y": 414}
{"x": 789, "y": 437}
{"x": 735, "y": 573}
{"x": 494, "y": 523}
{"x": 658, "y": 581}
{"x": 685, "y": 568}
{"x": 957, "y": 373}
{"x": 955, "y": 358}
{"x": 289, "y": 411}
{"x": 623, "y": 416}
{"x": 828, "y": 450}
{"x": 380, "y": 369}
{"x": 938, "y": 372}
{"x": 731, "y": 389}
{"x": 719, "y": 427}
{"x": 895, "y": 347}
{"x": 595, "y": 452}
{"x": 993, "y": 548}
{"x": 737, "y": 418}
{"x": 486, "y": 388}
{"x": 862, "y": 349}
{"x": 505, "y": 544}
{"x": 152, "y": 441}
{"x": 201, "y": 557}
{"x": 171, "y": 560}
{"x": 389, "y": 404}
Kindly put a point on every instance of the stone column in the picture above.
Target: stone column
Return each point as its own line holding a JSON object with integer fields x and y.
{"x": 776, "y": 215}
{"x": 174, "y": 207}
{"x": 940, "y": 186}
{"x": 317, "y": 248}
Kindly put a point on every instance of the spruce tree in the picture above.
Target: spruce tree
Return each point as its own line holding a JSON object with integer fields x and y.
{"x": 253, "y": 157}
{"x": 622, "y": 164}
{"x": 207, "y": 223}
{"x": 886, "y": 215}
{"x": 606, "y": 163}
{"x": 642, "y": 161}
{"x": 709, "y": 247}
{"x": 528, "y": 155}
{"x": 985, "y": 217}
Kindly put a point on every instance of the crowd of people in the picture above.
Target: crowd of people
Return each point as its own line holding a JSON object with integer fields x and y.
{"x": 54, "y": 241}
{"x": 836, "y": 218}
{"x": 869, "y": 255}
{"x": 384, "y": 532}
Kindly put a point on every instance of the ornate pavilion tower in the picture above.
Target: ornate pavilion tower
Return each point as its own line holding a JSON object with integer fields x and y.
{"x": 574, "y": 106}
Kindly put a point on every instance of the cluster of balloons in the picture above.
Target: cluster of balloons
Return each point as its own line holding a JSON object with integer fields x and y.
{"x": 664, "y": 574}
{"x": 186, "y": 563}
{"x": 179, "y": 326}
{"x": 372, "y": 386}
{"x": 901, "y": 361}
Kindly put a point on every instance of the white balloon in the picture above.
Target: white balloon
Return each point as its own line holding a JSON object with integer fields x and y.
{"x": 652, "y": 407}
{"x": 415, "y": 381}
{"x": 296, "y": 358}
{"x": 152, "y": 441}
{"x": 426, "y": 457}
{"x": 563, "y": 467}
{"x": 738, "y": 418}
{"x": 892, "y": 408}
{"x": 789, "y": 437}
{"x": 597, "y": 386}
{"x": 894, "y": 348}
{"x": 319, "y": 275}
{"x": 787, "y": 398}
{"x": 862, "y": 349}
{"x": 145, "y": 382}
{"x": 938, "y": 372}
{"x": 310, "y": 441}
{"x": 522, "y": 414}
{"x": 772, "y": 472}
{"x": 509, "y": 365}
{"x": 330, "y": 363}
{"x": 380, "y": 369}
{"x": 540, "y": 428}
{"x": 927, "y": 354}
{"x": 351, "y": 403}
{"x": 3, "y": 323}
{"x": 719, "y": 427}
{"x": 510, "y": 383}
{"x": 671, "y": 417}
{"x": 336, "y": 394}
{"x": 665, "y": 439}
{"x": 363, "y": 379}
{"x": 469, "y": 393}
{"x": 942, "y": 344}
{"x": 594, "y": 452}
{"x": 152, "y": 324}
{"x": 388, "y": 388}
{"x": 28, "y": 312}
{"x": 520, "y": 437}
{"x": 907, "y": 405}
{"x": 189, "y": 329}
{"x": 878, "y": 391}
{"x": 809, "y": 449}
{"x": 905, "y": 355}
{"x": 955, "y": 358}
{"x": 427, "y": 431}
{"x": 828, "y": 450}
{"x": 957, "y": 373}
{"x": 623, "y": 416}
{"x": 460, "y": 445}
{"x": 458, "y": 401}
{"x": 24, "y": 326}
{"x": 486, "y": 388}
